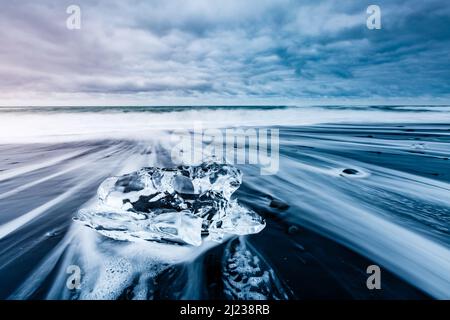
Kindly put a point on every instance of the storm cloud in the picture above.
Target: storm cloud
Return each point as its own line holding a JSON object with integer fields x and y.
{"x": 210, "y": 50}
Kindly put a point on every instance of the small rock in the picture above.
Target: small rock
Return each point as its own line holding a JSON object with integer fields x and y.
{"x": 278, "y": 204}
{"x": 293, "y": 230}
{"x": 350, "y": 171}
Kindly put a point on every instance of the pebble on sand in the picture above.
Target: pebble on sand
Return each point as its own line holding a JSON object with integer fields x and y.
{"x": 278, "y": 204}
{"x": 350, "y": 171}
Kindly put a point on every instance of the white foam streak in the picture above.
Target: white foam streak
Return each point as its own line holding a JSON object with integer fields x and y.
{"x": 34, "y": 127}
{"x": 333, "y": 210}
{"x": 77, "y": 165}
{"x": 13, "y": 225}
{"x": 39, "y": 165}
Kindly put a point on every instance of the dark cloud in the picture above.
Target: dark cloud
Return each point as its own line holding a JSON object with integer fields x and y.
{"x": 224, "y": 49}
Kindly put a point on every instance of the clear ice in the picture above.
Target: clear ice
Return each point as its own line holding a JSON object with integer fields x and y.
{"x": 182, "y": 205}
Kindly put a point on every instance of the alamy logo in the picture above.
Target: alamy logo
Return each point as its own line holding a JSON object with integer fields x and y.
{"x": 74, "y": 280}
{"x": 256, "y": 146}
{"x": 374, "y": 280}
{"x": 374, "y": 19}
{"x": 73, "y": 22}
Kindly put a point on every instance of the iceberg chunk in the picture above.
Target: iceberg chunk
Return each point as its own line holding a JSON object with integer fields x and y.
{"x": 182, "y": 205}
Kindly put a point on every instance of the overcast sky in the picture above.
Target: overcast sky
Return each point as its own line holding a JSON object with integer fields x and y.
{"x": 227, "y": 51}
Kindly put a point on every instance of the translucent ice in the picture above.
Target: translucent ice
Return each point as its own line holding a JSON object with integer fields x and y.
{"x": 247, "y": 276}
{"x": 181, "y": 205}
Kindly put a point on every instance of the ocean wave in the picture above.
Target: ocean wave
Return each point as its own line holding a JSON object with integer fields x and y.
{"x": 346, "y": 196}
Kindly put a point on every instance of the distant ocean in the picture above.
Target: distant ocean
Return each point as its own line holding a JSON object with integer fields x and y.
{"x": 356, "y": 186}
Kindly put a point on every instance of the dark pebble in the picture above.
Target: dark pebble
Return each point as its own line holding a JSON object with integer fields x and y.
{"x": 278, "y": 204}
{"x": 350, "y": 171}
